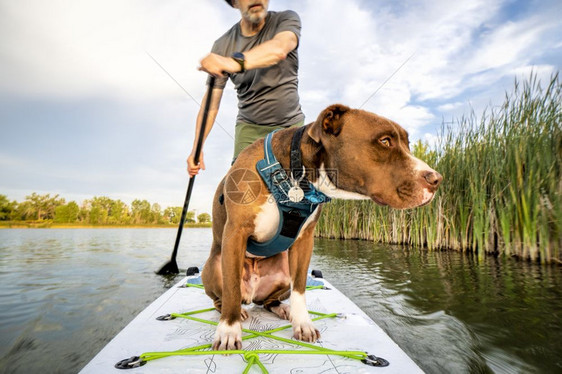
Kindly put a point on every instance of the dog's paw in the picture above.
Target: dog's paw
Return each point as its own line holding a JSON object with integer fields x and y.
{"x": 228, "y": 337}
{"x": 305, "y": 332}
{"x": 244, "y": 314}
{"x": 303, "y": 328}
{"x": 283, "y": 311}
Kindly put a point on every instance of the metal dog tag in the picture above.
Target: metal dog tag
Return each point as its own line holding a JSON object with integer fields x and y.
{"x": 296, "y": 194}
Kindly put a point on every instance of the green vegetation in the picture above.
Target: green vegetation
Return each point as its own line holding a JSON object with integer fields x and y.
{"x": 204, "y": 218}
{"x": 502, "y": 188}
{"x": 46, "y": 211}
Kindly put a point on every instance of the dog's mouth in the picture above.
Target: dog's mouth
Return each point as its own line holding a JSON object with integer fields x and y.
{"x": 425, "y": 200}
{"x": 378, "y": 200}
{"x": 427, "y": 197}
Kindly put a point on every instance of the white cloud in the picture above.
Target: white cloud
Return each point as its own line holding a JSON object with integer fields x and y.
{"x": 431, "y": 139}
{"x": 542, "y": 72}
{"x": 450, "y": 106}
{"x": 98, "y": 48}
{"x": 361, "y": 48}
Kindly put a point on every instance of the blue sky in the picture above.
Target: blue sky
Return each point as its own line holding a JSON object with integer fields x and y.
{"x": 85, "y": 111}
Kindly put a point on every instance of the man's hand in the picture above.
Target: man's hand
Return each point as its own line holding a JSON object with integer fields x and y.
{"x": 192, "y": 168}
{"x": 219, "y": 65}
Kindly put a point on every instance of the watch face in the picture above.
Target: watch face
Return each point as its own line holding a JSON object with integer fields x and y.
{"x": 240, "y": 59}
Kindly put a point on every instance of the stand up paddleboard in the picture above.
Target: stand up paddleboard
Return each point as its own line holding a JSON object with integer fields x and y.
{"x": 175, "y": 332}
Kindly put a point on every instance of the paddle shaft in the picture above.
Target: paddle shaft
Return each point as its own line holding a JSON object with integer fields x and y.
{"x": 172, "y": 267}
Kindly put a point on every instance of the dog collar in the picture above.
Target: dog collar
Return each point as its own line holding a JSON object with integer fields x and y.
{"x": 278, "y": 180}
{"x": 296, "y": 158}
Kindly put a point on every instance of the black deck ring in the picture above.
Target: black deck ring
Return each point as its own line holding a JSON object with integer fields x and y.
{"x": 373, "y": 360}
{"x": 165, "y": 317}
{"x": 130, "y": 363}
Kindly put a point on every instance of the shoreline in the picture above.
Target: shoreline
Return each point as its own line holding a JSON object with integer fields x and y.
{"x": 52, "y": 225}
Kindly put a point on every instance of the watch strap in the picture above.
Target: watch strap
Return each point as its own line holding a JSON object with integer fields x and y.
{"x": 240, "y": 59}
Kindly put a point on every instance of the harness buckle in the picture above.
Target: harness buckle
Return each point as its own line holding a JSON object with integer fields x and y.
{"x": 279, "y": 176}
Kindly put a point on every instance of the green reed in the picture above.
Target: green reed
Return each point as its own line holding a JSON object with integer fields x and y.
{"x": 502, "y": 188}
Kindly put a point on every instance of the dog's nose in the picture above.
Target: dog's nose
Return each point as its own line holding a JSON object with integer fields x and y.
{"x": 433, "y": 178}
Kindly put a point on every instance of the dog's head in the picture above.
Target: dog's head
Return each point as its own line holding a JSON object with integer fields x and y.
{"x": 368, "y": 156}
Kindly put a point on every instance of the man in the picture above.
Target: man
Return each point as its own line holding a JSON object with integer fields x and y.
{"x": 259, "y": 54}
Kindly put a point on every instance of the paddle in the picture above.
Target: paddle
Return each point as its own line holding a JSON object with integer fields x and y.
{"x": 171, "y": 267}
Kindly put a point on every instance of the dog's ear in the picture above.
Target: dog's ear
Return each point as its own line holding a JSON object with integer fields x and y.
{"x": 329, "y": 121}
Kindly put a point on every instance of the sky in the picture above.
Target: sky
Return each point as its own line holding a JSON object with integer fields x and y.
{"x": 99, "y": 98}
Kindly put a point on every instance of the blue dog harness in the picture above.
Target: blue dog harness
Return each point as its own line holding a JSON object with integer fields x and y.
{"x": 296, "y": 197}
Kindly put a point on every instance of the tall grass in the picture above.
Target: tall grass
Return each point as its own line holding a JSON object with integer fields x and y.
{"x": 502, "y": 189}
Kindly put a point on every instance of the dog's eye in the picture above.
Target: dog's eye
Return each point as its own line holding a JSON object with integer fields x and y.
{"x": 385, "y": 141}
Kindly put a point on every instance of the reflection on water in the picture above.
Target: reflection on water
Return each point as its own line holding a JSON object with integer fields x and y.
{"x": 65, "y": 293}
{"x": 451, "y": 313}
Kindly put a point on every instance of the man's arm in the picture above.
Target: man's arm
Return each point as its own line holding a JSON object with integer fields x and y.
{"x": 266, "y": 54}
{"x": 271, "y": 52}
{"x": 192, "y": 167}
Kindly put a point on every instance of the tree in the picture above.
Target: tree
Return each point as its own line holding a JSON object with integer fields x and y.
{"x": 84, "y": 214}
{"x": 100, "y": 208}
{"x": 140, "y": 211}
{"x": 67, "y": 213}
{"x": 173, "y": 214}
{"x": 204, "y": 218}
{"x": 190, "y": 217}
{"x": 156, "y": 211}
{"x": 42, "y": 206}
{"x": 24, "y": 211}
{"x": 119, "y": 212}
{"x": 7, "y": 208}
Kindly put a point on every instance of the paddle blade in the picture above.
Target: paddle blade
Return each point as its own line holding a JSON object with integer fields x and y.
{"x": 171, "y": 267}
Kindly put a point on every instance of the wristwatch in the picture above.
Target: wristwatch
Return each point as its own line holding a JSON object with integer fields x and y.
{"x": 241, "y": 59}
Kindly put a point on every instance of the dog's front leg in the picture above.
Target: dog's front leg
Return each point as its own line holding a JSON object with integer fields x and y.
{"x": 229, "y": 330}
{"x": 299, "y": 259}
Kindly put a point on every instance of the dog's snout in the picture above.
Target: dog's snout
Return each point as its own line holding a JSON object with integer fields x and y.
{"x": 433, "y": 178}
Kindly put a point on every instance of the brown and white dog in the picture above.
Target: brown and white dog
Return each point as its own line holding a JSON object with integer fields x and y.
{"x": 371, "y": 159}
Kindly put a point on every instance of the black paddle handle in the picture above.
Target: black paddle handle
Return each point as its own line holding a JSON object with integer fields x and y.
{"x": 201, "y": 137}
{"x": 198, "y": 148}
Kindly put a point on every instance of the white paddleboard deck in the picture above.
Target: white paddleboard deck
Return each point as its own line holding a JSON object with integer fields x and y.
{"x": 353, "y": 330}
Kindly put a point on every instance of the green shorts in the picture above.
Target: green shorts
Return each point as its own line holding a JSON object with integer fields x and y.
{"x": 246, "y": 133}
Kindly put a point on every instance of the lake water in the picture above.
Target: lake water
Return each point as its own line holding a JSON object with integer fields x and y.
{"x": 65, "y": 293}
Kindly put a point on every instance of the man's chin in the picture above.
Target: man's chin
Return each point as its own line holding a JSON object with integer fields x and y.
{"x": 256, "y": 18}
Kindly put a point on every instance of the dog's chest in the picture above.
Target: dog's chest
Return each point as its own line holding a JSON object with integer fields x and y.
{"x": 267, "y": 221}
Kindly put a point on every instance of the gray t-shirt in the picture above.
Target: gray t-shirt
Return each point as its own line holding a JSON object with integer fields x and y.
{"x": 267, "y": 96}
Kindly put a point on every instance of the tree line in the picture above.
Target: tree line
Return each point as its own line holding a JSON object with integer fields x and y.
{"x": 100, "y": 210}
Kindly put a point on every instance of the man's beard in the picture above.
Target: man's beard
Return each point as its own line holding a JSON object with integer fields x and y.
{"x": 255, "y": 17}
